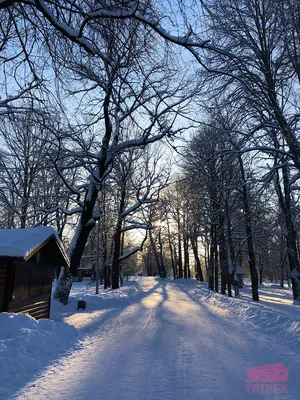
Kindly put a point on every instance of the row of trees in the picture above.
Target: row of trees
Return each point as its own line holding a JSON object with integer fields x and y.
{"x": 98, "y": 80}
{"x": 93, "y": 89}
{"x": 242, "y": 166}
{"x": 260, "y": 91}
{"x": 222, "y": 208}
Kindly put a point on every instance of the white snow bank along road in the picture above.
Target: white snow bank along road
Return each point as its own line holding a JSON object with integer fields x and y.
{"x": 27, "y": 346}
{"x": 166, "y": 345}
{"x": 98, "y": 307}
{"x": 275, "y": 317}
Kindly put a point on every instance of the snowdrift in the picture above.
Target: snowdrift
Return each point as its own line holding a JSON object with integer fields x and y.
{"x": 27, "y": 346}
{"x": 258, "y": 317}
{"x": 106, "y": 299}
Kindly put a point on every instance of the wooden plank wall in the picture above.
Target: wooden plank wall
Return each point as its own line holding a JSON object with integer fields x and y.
{"x": 37, "y": 307}
{"x": 3, "y": 274}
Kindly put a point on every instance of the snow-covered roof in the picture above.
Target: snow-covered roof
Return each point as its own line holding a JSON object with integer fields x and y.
{"x": 23, "y": 243}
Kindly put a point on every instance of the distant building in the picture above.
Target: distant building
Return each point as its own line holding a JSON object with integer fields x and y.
{"x": 239, "y": 272}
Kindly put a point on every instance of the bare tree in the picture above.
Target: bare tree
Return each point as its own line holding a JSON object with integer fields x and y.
{"x": 140, "y": 181}
{"x": 30, "y": 187}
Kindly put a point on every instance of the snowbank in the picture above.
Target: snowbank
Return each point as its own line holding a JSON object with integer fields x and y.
{"x": 27, "y": 346}
{"x": 86, "y": 290}
{"x": 261, "y": 317}
{"x": 36, "y": 356}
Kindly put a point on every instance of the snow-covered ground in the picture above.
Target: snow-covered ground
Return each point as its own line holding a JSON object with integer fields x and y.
{"x": 154, "y": 340}
{"x": 275, "y": 316}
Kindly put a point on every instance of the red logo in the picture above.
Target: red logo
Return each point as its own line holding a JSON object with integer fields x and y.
{"x": 268, "y": 373}
{"x": 267, "y": 379}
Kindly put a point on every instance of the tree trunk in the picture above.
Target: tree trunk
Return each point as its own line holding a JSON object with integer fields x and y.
{"x": 179, "y": 257}
{"x": 207, "y": 256}
{"x": 63, "y": 287}
{"x": 291, "y": 235}
{"x": 104, "y": 255}
{"x": 186, "y": 256}
{"x": 251, "y": 252}
{"x": 162, "y": 264}
{"x": 121, "y": 253}
{"x": 83, "y": 229}
{"x": 283, "y": 255}
{"x": 231, "y": 249}
{"x": 87, "y": 222}
{"x": 222, "y": 253}
{"x": 197, "y": 259}
{"x": 216, "y": 261}
{"x": 261, "y": 270}
{"x": 115, "y": 262}
{"x": 211, "y": 266}
{"x": 171, "y": 251}
{"x": 175, "y": 259}
{"x": 115, "y": 277}
{"x": 156, "y": 256}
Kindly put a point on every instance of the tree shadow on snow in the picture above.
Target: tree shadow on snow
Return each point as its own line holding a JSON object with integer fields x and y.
{"x": 104, "y": 318}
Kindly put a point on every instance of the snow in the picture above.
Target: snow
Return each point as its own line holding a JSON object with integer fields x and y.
{"x": 151, "y": 339}
{"x": 96, "y": 304}
{"x": 22, "y": 242}
{"x": 28, "y": 346}
{"x": 274, "y": 315}
{"x": 74, "y": 240}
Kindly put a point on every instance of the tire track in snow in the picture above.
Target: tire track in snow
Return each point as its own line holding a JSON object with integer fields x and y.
{"x": 167, "y": 346}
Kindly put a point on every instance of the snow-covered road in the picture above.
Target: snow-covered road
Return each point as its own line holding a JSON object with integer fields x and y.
{"x": 164, "y": 346}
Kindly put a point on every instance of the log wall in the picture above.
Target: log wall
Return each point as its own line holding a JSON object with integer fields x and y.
{"x": 37, "y": 307}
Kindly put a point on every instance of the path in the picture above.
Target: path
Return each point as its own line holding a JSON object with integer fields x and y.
{"x": 166, "y": 346}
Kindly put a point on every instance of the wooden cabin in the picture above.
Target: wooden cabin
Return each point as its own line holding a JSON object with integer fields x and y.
{"x": 237, "y": 274}
{"x": 28, "y": 260}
